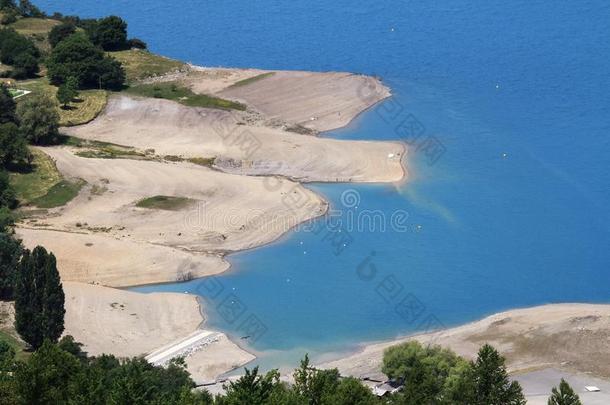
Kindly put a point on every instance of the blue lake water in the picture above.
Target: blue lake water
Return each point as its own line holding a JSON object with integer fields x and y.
{"x": 513, "y": 213}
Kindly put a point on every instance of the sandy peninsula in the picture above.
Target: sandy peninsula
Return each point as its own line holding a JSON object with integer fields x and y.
{"x": 575, "y": 337}
{"x": 129, "y": 324}
{"x": 249, "y": 197}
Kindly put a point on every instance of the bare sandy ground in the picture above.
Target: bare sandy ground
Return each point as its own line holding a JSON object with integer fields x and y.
{"x": 570, "y": 336}
{"x": 319, "y": 101}
{"x": 103, "y": 237}
{"x": 241, "y": 144}
{"x": 127, "y": 324}
{"x": 117, "y": 262}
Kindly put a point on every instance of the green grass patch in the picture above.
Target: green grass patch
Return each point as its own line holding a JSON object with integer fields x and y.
{"x": 141, "y": 64}
{"x": 15, "y": 344}
{"x": 27, "y": 26}
{"x": 174, "y": 92}
{"x": 101, "y": 150}
{"x": 251, "y": 80}
{"x": 60, "y": 194}
{"x": 32, "y": 184}
{"x": 42, "y": 185}
{"x": 208, "y": 162}
{"x": 163, "y": 202}
{"x": 15, "y": 92}
{"x": 83, "y": 109}
{"x": 173, "y": 158}
{"x": 37, "y": 29}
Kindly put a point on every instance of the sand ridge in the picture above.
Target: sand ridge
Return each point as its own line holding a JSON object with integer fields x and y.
{"x": 227, "y": 213}
{"x": 239, "y": 145}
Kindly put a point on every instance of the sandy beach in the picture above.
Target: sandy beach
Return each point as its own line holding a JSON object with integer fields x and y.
{"x": 104, "y": 238}
{"x": 129, "y": 324}
{"x": 575, "y": 337}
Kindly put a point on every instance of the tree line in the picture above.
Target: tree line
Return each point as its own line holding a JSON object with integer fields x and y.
{"x": 78, "y": 48}
{"x": 63, "y": 374}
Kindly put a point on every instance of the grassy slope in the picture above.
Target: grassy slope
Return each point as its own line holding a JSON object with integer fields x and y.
{"x": 83, "y": 109}
{"x": 17, "y": 346}
{"x": 36, "y": 29}
{"x": 44, "y": 186}
{"x": 8, "y": 333}
{"x": 173, "y": 91}
{"x": 141, "y": 64}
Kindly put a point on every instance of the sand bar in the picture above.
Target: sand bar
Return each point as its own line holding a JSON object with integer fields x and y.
{"x": 571, "y": 336}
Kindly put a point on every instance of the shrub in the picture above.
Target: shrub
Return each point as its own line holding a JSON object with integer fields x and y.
{"x": 76, "y": 56}
{"x": 39, "y": 120}
{"x": 110, "y": 33}
{"x": 60, "y": 32}
{"x": 18, "y": 51}
{"x": 136, "y": 43}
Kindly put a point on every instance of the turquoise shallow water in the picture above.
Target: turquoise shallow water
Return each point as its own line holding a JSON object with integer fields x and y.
{"x": 513, "y": 213}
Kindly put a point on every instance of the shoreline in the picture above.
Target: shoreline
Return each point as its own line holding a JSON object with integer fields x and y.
{"x": 123, "y": 189}
{"x": 561, "y": 335}
{"x": 226, "y": 256}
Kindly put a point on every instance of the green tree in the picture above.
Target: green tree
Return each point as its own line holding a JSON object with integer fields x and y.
{"x": 50, "y": 376}
{"x": 67, "y": 91}
{"x": 138, "y": 382}
{"x": 7, "y": 219}
{"x": 7, "y": 367}
{"x": 7, "y": 194}
{"x": 350, "y": 391}
{"x": 13, "y": 44}
{"x": 28, "y": 9}
{"x": 313, "y": 384}
{"x": 252, "y": 388}
{"x": 13, "y": 147}
{"x": 7, "y": 5}
{"x": 10, "y": 253}
{"x": 25, "y": 65}
{"x": 492, "y": 385}
{"x": 7, "y": 106}
{"x": 565, "y": 395}
{"x": 424, "y": 370}
{"x": 76, "y": 56}
{"x": 109, "y": 33}
{"x": 459, "y": 386}
{"x": 18, "y": 51}
{"x": 39, "y": 119}
{"x": 68, "y": 344}
{"x": 39, "y": 298}
{"x": 53, "y": 310}
{"x": 60, "y": 32}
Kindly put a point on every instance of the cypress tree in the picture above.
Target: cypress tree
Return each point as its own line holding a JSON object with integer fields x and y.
{"x": 39, "y": 304}
{"x": 565, "y": 395}
{"x": 53, "y": 310}
{"x": 27, "y": 315}
{"x": 492, "y": 384}
{"x": 10, "y": 252}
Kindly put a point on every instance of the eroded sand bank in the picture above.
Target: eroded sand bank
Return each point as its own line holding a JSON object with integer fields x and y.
{"x": 102, "y": 237}
{"x": 224, "y": 213}
{"x": 128, "y": 324}
{"x": 239, "y": 144}
{"x": 571, "y": 336}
